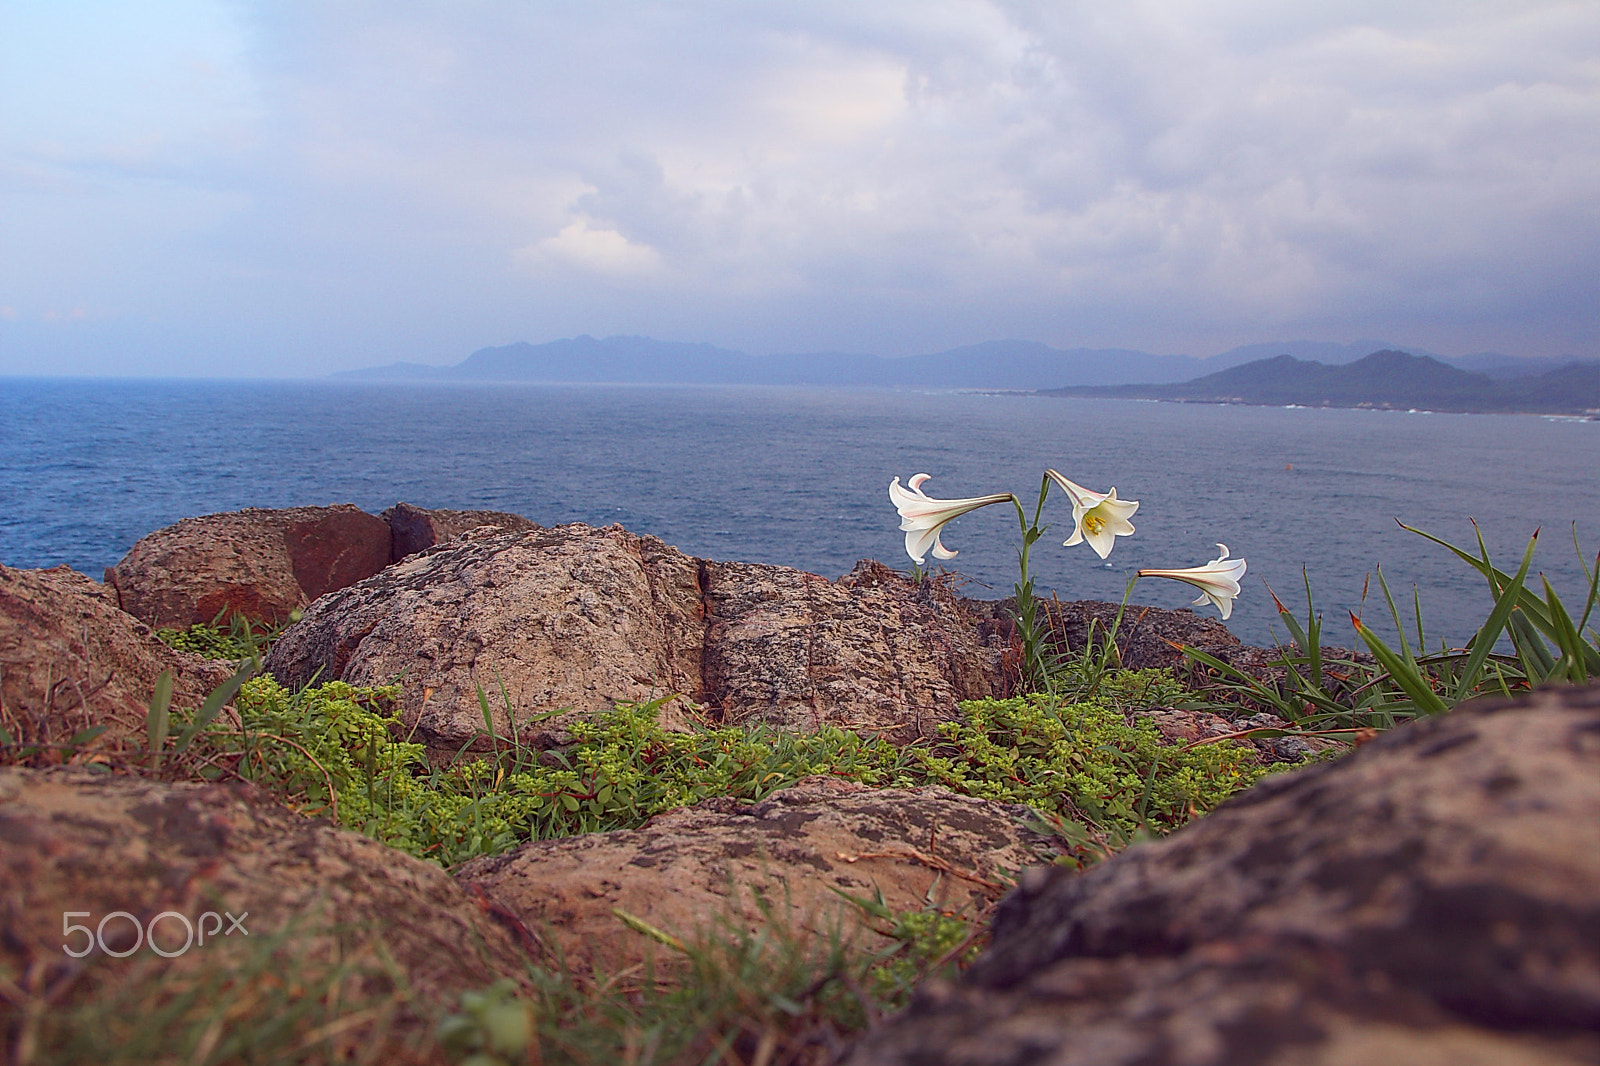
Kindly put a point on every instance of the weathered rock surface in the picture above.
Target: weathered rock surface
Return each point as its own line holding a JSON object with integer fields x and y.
{"x": 70, "y": 659}
{"x": 71, "y": 840}
{"x": 1433, "y": 898}
{"x": 411, "y": 528}
{"x": 872, "y": 651}
{"x": 569, "y": 618}
{"x": 692, "y": 868}
{"x": 573, "y": 619}
{"x": 260, "y": 563}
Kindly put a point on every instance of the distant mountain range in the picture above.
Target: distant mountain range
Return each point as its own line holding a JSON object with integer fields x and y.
{"x": 1385, "y": 380}
{"x": 993, "y": 365}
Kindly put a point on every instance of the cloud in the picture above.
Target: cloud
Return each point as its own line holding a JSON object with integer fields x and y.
{"x": 600, "y": 251}
{"x": 1183, "y": 175}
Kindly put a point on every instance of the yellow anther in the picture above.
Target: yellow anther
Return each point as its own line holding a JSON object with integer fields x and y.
{"x": 1093, "y": 523}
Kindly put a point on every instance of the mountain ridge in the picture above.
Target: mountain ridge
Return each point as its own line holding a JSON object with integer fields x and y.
{"x": 1384, "y": 380}
{"x": 1001, "y": 364}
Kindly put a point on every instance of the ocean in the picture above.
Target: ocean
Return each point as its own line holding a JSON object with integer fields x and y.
{"x": 798, "y": 477}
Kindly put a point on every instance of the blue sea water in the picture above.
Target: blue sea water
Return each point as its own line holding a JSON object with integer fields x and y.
{"x": 798, "y": 477}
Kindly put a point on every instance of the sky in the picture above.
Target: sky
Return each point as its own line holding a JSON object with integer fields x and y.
{"x": 199, "y": 187}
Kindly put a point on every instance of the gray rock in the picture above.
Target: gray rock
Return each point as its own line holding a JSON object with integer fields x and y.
{"x": 1433, "y": 898}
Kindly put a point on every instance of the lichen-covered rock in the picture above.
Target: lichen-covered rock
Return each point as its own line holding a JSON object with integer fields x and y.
{"x": 97, "y": 843}
{"x": 71, "y": 660}
{"x": 873, "y": 651}
{"x": 570, "y": 620}
{"x": 695, "y": 867}
{"x": 554, "y": 622}
{"x": 1432, "y": 898}
{"x": 257, "y": 562}
{"x": 411, "y": 528}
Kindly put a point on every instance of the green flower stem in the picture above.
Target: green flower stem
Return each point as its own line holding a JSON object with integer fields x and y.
{"x": 1035, "y": 672}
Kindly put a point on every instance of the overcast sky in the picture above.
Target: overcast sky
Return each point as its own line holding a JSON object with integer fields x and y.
{"x": 199, "y": 187}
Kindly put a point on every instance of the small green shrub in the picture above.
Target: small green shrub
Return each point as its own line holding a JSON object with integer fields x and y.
{"x": 1083, "y": 761}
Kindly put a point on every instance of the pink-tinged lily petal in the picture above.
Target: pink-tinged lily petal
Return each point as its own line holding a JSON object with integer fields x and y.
{"x": 923, "y": 517}
{"x": 1218, "y": 580}
{"x": 1098, "y": 518}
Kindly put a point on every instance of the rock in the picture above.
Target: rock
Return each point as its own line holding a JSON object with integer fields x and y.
{"x": 70, "y": 659}
{"x": 874, "y": 651}
{"x": 1432, "y": 898}
{"x": 573, "y": 619}
{"x": 411, "y": 529}
{"x": 77, "y": 841}
{"x": 570, "y": 620}
{"x": 691, "y": 868}
{"x": 260, "y": 563}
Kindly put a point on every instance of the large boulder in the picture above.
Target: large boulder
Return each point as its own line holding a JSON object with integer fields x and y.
{"x": 1433, "y": 899}
{"x": 98, "y": 843}
{"x": 788, "y": 856}
{"x": 546, "y": 623}
{"x": 411, "y": 528}
{"x": 260, "y": 563}
{"x": 70, "y": 659}
{"x": 563, "y": 622}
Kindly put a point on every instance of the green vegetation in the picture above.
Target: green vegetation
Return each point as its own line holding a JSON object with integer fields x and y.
{"x": 1526, "y": 641}
{"x": 337, "y": 750}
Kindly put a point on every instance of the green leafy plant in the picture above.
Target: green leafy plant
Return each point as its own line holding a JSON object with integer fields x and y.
{"x": 228, "y": 636}
{"x": 1525, "y": 641}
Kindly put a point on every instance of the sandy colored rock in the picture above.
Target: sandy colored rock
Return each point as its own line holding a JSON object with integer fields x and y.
{"x": 687, "y": 869}
{"x": 76, "y": 841}
{"x": 569, "y": 620}
{"x": 412, "y": 528}
{"x": 257, "y": 562}
{"x": 1433, "y": 898}
{"x": 70, "y": 659}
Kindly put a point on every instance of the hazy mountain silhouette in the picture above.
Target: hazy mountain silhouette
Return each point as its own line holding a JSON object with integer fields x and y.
{"x": 1005, "y": 364}
{"x": 1385, "y": 379}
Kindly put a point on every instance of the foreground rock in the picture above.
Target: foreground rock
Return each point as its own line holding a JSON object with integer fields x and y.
{"x": 699, "y": 867}
{"x": 563, "y": 622}
{"x": 1433, "y": 898}
{"x": 71, "y": 660}
{"x": 263, "y": 564}
{"x": 76, "y": 841}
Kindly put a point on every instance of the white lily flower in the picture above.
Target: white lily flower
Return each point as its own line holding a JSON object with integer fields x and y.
{"x": 1218, "y": 580}
{"x": 1097, "y": 517}
{"x": 922, "y": 516}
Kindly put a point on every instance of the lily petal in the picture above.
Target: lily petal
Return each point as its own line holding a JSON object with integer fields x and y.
{"x": 922, "y": 517}
{"x": 1218, "y": 580}
{"x": 1098, "y": 518}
